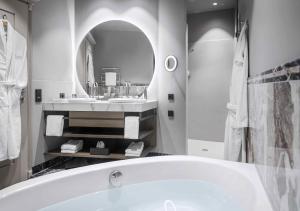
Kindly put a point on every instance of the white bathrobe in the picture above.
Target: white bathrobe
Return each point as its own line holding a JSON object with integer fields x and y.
{"x": 90, "y": 64}
{"x": 237, "y": 119}
{"x": 13, "y": 77}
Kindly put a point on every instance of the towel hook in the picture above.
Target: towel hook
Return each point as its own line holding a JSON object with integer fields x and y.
{"x": 276, "y": 69}
{"x": 4, "y": 17}
{"x": 288, "y": 73}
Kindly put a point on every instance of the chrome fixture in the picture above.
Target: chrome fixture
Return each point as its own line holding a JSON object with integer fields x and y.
{"x": 143, "y": 93}
{"x": 115, "y": 179}
{"x": 94, "y": 91}
{"x": 127, "y": 88}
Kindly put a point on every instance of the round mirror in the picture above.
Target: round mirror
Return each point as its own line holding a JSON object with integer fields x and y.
{"x": 113, "y": 55}
{"x": 171, "y": 63}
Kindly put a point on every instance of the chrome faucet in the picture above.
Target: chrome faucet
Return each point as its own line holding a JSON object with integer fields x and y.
{"x": 95, "y": 89}
{"x": 115, "y": 178}
{"x": 127, "y": 88}
{"x": 92, "y": 89}
{"x": 143, "y": 93}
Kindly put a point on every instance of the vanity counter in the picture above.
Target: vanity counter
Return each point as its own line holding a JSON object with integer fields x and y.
{"x": 101, "y": 106}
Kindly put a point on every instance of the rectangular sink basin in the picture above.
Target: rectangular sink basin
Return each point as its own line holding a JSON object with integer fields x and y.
{"x": 81, "y": 100}
{"x": 126, "y": 100}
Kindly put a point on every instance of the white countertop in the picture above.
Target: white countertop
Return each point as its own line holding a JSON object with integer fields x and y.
{"x": 100, "y": 106}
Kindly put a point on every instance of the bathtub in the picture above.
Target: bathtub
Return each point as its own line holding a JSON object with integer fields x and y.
{"x": 239, "y": 182}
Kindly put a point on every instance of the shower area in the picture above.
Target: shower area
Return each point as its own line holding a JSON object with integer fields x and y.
{"x": 211, "y": 40}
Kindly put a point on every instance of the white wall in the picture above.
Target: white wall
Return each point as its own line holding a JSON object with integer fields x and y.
{"x": 52, "y": 64}
{"x": 210, "y": 66}
{"x": 172, "y": 41}
{"x": 19, "y": 169}
{"x": 274, "y": 32}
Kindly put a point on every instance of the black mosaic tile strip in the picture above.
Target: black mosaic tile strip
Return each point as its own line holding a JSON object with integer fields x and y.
{"x": 287, "y": 65}
{"x": 48, "y": 164}
{"x": 155, "y": 154}
{"x": 67, "y": 163}
{"x": 261, "y": 78}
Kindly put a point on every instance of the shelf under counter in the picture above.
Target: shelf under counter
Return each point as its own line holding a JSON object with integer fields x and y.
{"x": 142, "y": 135}
{"x": 112, "y": 156}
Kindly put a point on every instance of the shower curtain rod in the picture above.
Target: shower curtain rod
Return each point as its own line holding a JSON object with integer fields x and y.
{"x": 275, "y": 74}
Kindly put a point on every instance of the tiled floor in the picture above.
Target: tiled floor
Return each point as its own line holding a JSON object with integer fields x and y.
{"x": 69, "y": 164}
{"x": 79, "y": 162}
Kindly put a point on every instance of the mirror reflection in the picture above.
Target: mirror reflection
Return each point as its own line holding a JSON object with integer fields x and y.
{"x": 115, "y": 59}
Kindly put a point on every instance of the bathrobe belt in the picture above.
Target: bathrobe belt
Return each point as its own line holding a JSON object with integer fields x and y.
{"x": 7, "y": 100}
{"x": 7, "y": 83}
{"x": 232, "y": 111}
{"x": 232, "y": 107}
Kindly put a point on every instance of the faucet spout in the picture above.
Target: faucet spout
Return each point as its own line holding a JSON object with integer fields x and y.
{"x": 115, "y": 178}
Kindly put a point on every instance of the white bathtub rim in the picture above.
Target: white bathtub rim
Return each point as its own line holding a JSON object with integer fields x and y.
{"x": 247, "y": 171}
{"x": 117, "y": 164}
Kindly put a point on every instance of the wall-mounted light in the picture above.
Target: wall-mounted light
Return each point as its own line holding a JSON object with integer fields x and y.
{"x": 215, "y": 4}
{"x": 171, "y": 63}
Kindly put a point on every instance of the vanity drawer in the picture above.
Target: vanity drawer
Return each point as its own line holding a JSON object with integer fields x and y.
{"x": 104, "y": 123}
{"x": 96, "y": 119}
{"x": 96, "y": 115}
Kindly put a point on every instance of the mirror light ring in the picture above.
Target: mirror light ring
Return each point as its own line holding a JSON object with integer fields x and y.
{"x": 174, "y": 59}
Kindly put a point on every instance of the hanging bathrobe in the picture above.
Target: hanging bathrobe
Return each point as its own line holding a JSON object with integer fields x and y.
{"x": 13, "y": 77}
{"x": 237, "y": 119}
{"x": 90, "y": 64}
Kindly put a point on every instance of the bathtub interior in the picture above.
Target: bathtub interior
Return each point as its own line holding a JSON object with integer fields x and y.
{"x": 239, "y": 181}
{"x": 167, "y": 195}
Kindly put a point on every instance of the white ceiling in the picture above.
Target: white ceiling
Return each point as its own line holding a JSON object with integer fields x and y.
{"x": 198, "y": 6}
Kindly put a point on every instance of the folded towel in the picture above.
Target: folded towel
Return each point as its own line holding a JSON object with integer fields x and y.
{"x": 133, "y": 155}
{"x": 55, "y": 125}
{"x": 110, "y": 79}
{"x": 135, "y": 149}
{"x": 69, "y": 151}
{"x": 132, "y": 127}
{"x": 72, "y": 145}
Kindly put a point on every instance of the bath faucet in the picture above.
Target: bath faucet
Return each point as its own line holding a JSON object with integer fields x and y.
{"x": 115, "y": 179}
